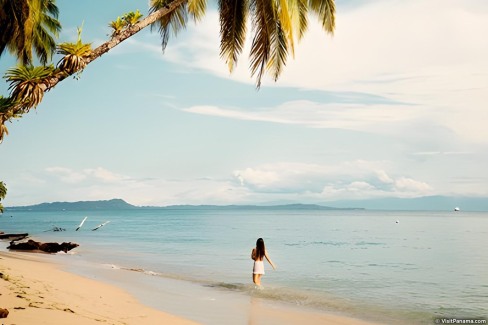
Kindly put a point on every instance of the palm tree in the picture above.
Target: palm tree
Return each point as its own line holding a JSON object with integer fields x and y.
{"x": 3, "y": 193}
{"x": 29, "y": 25}
{"x": 275, "y": 26}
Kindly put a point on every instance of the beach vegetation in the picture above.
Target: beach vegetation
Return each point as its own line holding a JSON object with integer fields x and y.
{"x": 117, "y": 26}
{"x": 25, "y": 86}
{"x": 3, "y": 193}
{"x": 132, "y": 18}
{"x": 27, "y": 26}
{"x": 74, "y": 55}
{"x": 127, "y": 20}
{"x": 277, "y": 24}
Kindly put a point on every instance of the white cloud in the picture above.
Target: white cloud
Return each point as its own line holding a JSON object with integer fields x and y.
{"x": 355, "y": 179}
{"x": 373, "y": 118}
{"x": 66, "y": 175}
{"x": 405, "y": 184}
{"x": 398, "y": 50}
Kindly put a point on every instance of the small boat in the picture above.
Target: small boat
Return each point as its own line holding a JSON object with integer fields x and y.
{"x": 456, "y": 209}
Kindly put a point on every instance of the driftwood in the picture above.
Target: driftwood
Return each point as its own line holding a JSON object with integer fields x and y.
{"x": 13, "y": 237}
{"x": 32, "y": 245}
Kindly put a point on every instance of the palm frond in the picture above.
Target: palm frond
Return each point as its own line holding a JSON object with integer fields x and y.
{"x": 172, "y": 22}
{"x": 262, "y": 21}
{"x": 325, "y": 10}
{"x": 197, "y": 8}
{"x": 52, "y": 25}
{"x": 3, "y": 190}
{"x": 44, "y": 45}
{"x": 51, "y": 8}
{"x": 298, "y": 14}
{"x": 233, "y": 16}
{"x": 278, "y": 50}
{"x": 3, "y": 187}
{"x": 283, "y": 14}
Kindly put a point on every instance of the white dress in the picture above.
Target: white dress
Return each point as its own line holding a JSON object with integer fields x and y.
{"x": 258, "y": 267}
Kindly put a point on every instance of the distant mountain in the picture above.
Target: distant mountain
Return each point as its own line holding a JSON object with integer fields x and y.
{"x": 114, "y": 204}
{"x": 119, "y": 204}
{"x": 296, "y": 206}
{"x": 427, "y": 203}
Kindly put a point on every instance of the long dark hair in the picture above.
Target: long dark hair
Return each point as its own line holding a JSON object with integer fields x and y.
{"x": 260, "y": 249}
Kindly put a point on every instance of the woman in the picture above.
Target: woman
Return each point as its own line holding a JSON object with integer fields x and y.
{"x": 258, "y": 254}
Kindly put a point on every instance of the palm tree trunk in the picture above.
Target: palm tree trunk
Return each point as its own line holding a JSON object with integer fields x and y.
{"x": 53, "y": 80}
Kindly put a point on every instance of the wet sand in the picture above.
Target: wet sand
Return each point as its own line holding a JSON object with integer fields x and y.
{"x": 37, "y": 291}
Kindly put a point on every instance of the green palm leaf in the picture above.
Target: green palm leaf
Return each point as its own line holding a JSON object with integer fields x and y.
{"x": 197, "y": 8}
{"x": 233, "y": 16}
{"x": 298, "y": 15}
{"x": 172, "y": 22}
{"x": 325, "y": 9}
{"x": 278, "y": 50}
{"x": 262, "y": 21}
{"x": 3, "y": 188}
{"x": 28, "y": 25}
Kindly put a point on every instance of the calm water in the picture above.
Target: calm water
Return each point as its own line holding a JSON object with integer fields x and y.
{"x": 361, "y": 263}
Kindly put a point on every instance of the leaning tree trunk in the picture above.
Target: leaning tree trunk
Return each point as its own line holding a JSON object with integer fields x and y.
{"x": 53, "y": 80}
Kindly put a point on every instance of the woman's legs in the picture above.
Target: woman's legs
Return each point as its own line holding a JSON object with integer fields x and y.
{"x": 256, "y": 278}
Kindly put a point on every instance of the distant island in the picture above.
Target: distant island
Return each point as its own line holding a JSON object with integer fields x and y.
{"x": 114, "y": 204}
{"x": 425, "y": 203}
{"x": 119, "y": 204}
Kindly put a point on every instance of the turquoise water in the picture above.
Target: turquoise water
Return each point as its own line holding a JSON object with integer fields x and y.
{"x": 359, "y": 263}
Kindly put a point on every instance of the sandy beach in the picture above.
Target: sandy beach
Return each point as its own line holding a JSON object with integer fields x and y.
{"x": 36, "y": 291}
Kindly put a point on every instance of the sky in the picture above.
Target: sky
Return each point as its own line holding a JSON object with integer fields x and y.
{"x": 394, "y": 104}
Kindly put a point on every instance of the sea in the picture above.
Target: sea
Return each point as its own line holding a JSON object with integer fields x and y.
{"x": 392, "y": 267}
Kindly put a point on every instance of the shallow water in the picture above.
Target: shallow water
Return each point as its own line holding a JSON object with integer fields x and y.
{"x": 360, "y": 263}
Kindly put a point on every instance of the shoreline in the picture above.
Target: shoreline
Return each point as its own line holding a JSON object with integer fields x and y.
{"x": 38, "y": 290}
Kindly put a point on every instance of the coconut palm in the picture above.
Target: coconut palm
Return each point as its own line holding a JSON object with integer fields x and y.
{"x": 3, "y": 193}
{"x": 27, "y": 26}
{"x": 276, "y": 24}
